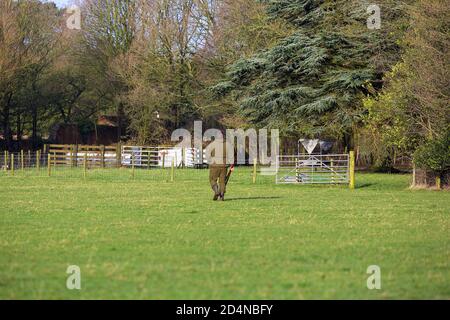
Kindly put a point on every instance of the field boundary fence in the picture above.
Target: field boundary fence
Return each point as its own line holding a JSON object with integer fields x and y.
{"x": 110, "y": 162}
{"x": 162, "y": 163}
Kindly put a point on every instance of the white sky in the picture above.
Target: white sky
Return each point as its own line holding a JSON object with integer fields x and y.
{"x": 60, "y": 3}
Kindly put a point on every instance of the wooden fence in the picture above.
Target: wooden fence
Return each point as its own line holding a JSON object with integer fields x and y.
{"x": 75, "y": 155}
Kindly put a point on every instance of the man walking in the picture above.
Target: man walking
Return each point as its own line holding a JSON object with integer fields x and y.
{"x": 218, "y": 170}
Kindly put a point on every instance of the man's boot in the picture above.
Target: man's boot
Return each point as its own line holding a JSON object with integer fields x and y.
{"x": 216, "y": 192}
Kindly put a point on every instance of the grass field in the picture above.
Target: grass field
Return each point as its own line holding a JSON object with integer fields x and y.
{"x": 151, "y": 239}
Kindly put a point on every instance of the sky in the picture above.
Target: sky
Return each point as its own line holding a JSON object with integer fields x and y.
{"x": 60, "y": 3}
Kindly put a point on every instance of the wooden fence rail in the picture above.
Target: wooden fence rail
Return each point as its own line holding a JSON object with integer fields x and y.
{"x": 75, "y": 155}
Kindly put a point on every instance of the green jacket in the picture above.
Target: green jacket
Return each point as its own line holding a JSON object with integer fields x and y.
{"x": 219, "y": 160}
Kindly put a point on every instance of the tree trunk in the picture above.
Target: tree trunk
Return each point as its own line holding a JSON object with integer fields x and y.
{"x": 19, "y": 130}
{"x": 120, "y": 121}
{"x": 34, "y": 115}
{"x": 347, "y": 141}
{"x": 6, "y": 124}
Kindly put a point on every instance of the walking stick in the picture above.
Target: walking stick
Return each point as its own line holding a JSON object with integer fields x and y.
{"x": 230, "y": 171}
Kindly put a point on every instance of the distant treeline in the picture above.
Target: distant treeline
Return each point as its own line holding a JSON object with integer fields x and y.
{"x": 313, "y": 69}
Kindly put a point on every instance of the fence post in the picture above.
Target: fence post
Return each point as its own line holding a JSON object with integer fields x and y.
{"x": 29, "y": 158}
{"x": 38, "y": 159}
{"x": 12, "y": 163}
{"x": 254, "y": 170}
{"x": 76, "y": 155}
{"x": 21, "y": 160}
{"x": 54, "y": 159}
{"x": 85, "y": 165}
{"x": 164, "y": 160}
{"x": 103, "y": 156}
{"x": 71, "y": 155}
{"x": 6, "y": 161}
{"x": 352, "y": 170}
{"x": 438, "y": 182}
{"x": 183, "y": 156}
{"x": 119, "y": 155}
{"x": 414, "y": 176}
{"x": 49, "y": 164}
{"x": 172, "y": 172}
{"x": 332, "y": 171}
{"x": 132, "y": 164}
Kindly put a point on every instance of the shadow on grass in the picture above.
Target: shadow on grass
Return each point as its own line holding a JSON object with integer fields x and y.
{"x": 365, "y": 185}
{"x": 252, "y": 198}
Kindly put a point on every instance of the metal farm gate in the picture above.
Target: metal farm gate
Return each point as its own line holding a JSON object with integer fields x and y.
{"x": 313, "y": 169}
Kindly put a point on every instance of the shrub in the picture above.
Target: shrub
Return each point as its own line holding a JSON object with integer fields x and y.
{"x": 434, "y": 155}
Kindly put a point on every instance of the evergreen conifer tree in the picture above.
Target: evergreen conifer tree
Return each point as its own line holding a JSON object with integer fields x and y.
{"x": 312, "y": 82}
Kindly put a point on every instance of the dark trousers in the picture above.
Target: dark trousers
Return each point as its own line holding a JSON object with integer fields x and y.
{"x": 218, "y": 173}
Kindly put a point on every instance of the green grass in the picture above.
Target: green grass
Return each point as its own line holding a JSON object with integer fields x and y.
{"x": 151, "y": 239}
